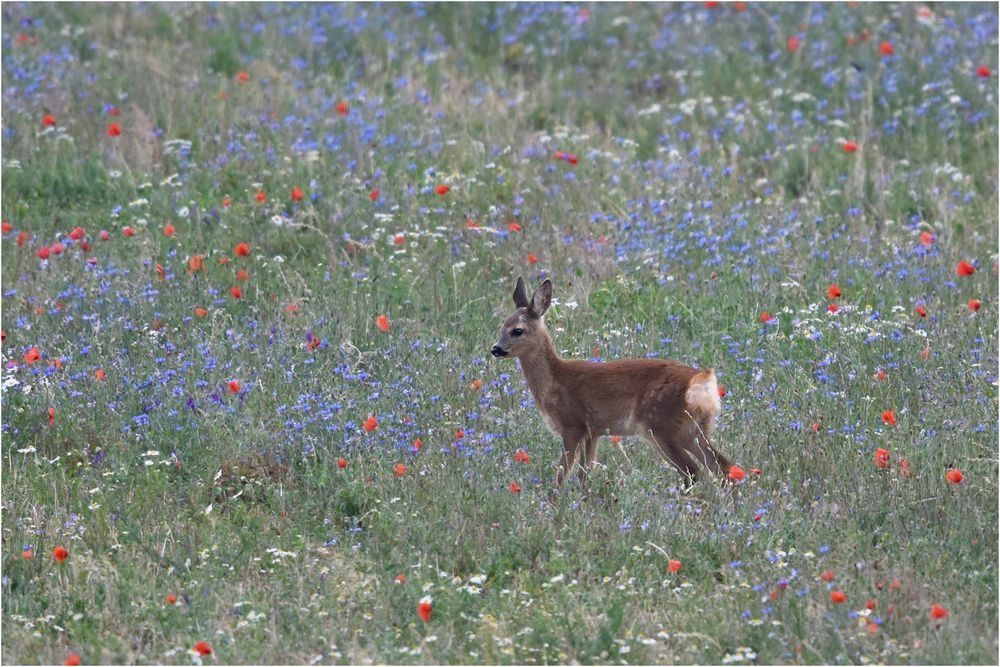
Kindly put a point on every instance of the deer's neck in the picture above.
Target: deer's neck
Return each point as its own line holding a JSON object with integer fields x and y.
{"x": 539, "y": 366}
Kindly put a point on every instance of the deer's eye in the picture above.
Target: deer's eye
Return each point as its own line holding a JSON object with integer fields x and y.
{"x": 517, "y": 332}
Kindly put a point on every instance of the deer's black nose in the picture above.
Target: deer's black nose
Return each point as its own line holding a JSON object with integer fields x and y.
{"x": 498, "y": 351}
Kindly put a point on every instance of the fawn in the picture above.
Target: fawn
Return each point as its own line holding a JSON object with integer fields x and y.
{"x": 670, "y": 404}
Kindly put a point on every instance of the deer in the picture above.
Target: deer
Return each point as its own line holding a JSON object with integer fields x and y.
{"x": 670, "y": 404}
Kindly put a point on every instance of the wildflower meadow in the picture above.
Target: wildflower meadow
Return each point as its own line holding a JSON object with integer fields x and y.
{"x": 254, "y": 258}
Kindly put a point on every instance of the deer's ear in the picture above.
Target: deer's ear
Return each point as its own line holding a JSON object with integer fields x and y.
{"x": 521, "y": 294}
{"x": 541, "y": 299}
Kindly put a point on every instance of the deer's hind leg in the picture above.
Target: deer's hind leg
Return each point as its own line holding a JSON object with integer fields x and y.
{"x": 589, "y": 451}
{"x": 668, "y": 441}
{"x": 700, "y": 446}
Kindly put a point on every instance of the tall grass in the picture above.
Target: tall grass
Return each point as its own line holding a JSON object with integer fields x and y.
{"x": 701, "y": 181}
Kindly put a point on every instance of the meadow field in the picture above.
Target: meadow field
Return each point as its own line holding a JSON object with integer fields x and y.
{"x": 254, "y": 258}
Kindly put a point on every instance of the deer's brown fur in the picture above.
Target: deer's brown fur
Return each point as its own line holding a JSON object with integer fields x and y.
{"x": 670, "y": 404}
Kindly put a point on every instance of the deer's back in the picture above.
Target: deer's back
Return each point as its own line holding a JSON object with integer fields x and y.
{"x": 616, "y": 397}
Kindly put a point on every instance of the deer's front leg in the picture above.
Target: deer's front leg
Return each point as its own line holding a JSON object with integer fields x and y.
{"x": 571, "y": 444}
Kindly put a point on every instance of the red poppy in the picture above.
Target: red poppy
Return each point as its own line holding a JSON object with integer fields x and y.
{"x": 954, "y": 476}
{"x": 342, "y": 108}
{"x": 521, "y": 456}
{"x": 838, "y": 597}
{"x": 114, "y": 130}
{"x": 399, "y": 469}
{"x": 32, "y": 355}
{"x": 832, "y": 308}
{"x": 128, "y": 231}
{"x": 200, "y": 312}
{"x": 755, "y": 471}
{"x": 234, "y": 387}
{"x": 400, "y": 579}
{"x": 736, "y": 473}
{"x": 242, "y": 275}
{"x": 740, "y": 6}
{"x": 22, "y": 236}
{"x": 904, "y": 465}
{"x": 514, "y": 227}
{"x": 833, "y": 291}
{"x": 49, "y": 120}
{"x": 73, "y": 659}
{"x": 44, "y": 253}
{"x": 926, "y": 238}
{"x": 52, "y": 416}
{"x": 242, "y": 249}
{"x": 965, "y": 269}
{"x": 417, "y": 443}
{"x": 938, "y": 612}
{"x": 850, "y": 147}
{"x": 260, "y": 197}
{"x": 60, "y": 554}
{"x": 889, "y": 417}
{"x": 471, "y": 224}
{"x": 242, "y": 76}
{"x": 975, "y": 304}
{"x": 871, "y": 603}
{"x": 202, "y": 648}
{"x": 921, "y": 311}
{"x": 373, "y": 195}
{"x": 514, "y": 487}
{"x": 227, "y": 202}
{"x": 895, "y": 584}
{"x": 459, "y": 434}
{"x": 371, "y": 423}
{"x": 236, "y": 292}
{"x": 171, "y": 599}
{"x": 99, "y": 374}
{"x": 722, "y": 390}
{"x": 881, "y": 375}
{"x": 296, "y": 194}
{"x": 983, "y": 71}
{"x": 572, "y": 159}
{"x": 827, "y": 576}
{"x": 766, "y": 317}
{"x": 424, "y": 609}
{"x": 114, "y": 111}
{"x": 6, "y": 227}
{"x": 28, "y": 554}
{"x": 532, "y": 259}
{"x": 341, "y": 463}
{"x": 399, "y": 239}
{"x": 925, "y": 353}
{"x": 886, "y": 48}
{"x": 77, "y": 233}
{"x": 673, "y": 565}
{"x": 476, "y": 384}
{"x": 615, "y": 439}
{"x": 793, "y": 44}
{"x": 442, "y": 189}
{"x": 57, "y": 248}
{"x": 382, "y": 322}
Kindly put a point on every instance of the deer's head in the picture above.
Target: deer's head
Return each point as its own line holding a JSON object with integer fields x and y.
{"x": 524, "y": 330}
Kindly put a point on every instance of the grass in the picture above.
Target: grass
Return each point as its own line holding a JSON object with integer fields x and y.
{"x": 708, "y": 185}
